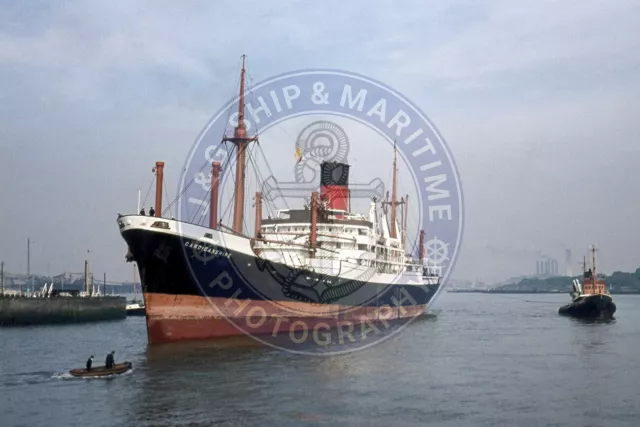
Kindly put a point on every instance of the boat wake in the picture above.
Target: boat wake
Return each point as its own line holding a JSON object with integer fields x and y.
{"x": 68, "y": 376}
{"x": 61, "y": 376}
{"x": 26, "y": 378}
{"x": 595, "y": 321}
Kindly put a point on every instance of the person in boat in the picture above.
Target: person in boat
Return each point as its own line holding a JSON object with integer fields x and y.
{"x": 109, "y": 362}
{"x": 89, "y": 362}
{"x": 142, "y": 212}
{"x": 152, "y": 212}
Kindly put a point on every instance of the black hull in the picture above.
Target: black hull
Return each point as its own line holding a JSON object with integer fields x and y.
{"x": 136, "y": 312}
{"x": 165, "y": 269}
{"x": 590, "y": 307}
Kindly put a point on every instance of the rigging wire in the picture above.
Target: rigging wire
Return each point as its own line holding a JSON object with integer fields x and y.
{"x": 286, "y": 204}
{"x": 413, "y": 221}
{"x": 271, "y": 118}
{"x": 252, "y": 156}
{"x": 148, "y": 191}
{"x": 206, "y": 204}
{"x": 289, "y": 137}
{"x": 249, "y": 186}
{"x": 186, "y": 187}
{"x": 192, "y": 180}
{"x": 166, "y": 193}
{"x": 228, "y": 162}
{"x": 269, "y": 205}
{"x": 234, "y": 97}
{"x": 230, "y": 203}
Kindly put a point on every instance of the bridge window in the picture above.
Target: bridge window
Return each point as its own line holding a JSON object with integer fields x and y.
{"x": 161, "y": 224}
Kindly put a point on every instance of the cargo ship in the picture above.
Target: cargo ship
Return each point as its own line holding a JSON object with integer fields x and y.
{"x": 320, "y": 264}
{"x": 590, "y": 299}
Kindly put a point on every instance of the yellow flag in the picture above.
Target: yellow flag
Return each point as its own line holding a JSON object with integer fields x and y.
{"x": 298, "y": 153}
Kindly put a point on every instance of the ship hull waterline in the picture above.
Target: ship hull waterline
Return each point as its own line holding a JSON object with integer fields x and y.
{"x": 138, "y": 312}
{"x": 191, "y": 318}
{"x": 590, "y": 307}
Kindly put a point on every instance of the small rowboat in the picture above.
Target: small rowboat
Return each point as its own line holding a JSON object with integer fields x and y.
{"x": 102, "y": 371}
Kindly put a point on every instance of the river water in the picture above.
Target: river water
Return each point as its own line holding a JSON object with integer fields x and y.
{"x": 484, "y": 360}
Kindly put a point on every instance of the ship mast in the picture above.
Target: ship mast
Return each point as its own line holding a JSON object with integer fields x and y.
{"x": 313, "y": 235}
{"x": 29, "y": 263}
{"x": 135, "y": 290}
{"x": 87, "y": 273}
{"x": 405, "y": 210}
{"x": 593, "y": 261}
{"x": 159, "y": 170}
{"x": 394, "y": 202}
{"x": 240, "y": 140}
{"x": 393, "y": 194}
{"x": 213, "y": 203}
{"x": 258, "y": 214}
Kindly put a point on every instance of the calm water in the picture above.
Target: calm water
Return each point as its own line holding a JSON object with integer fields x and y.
{"x": 485, "y": 360}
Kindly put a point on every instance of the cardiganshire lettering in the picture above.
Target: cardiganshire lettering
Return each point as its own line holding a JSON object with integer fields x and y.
{"x": 207, "y": 249}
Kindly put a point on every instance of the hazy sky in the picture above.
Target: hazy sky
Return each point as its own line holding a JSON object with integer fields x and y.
{"x": 538, "y": 101}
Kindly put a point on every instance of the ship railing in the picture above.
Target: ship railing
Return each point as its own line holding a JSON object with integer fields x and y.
{"x": 431, "y": 269}
{"x": 413, "y": 268}
{"x": 381, "y": 265}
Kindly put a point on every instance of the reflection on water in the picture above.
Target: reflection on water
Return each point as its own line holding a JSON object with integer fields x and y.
{"x": 592, "y": 339}
{"x": 484, "y": 360}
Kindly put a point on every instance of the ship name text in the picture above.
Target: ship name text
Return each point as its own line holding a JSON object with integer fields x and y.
{"x": 206, "y": 248}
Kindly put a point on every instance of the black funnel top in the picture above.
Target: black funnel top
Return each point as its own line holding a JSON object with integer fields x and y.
{"x": 334, "y": 173}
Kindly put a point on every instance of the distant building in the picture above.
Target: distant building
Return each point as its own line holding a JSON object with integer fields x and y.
{"x": 67, "y": 278}
{"x": 546, "y": 267}
{"x": 567, "y": 263}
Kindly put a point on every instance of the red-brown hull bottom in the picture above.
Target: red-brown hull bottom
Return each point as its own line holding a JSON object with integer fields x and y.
{"x": 173, "y": 318}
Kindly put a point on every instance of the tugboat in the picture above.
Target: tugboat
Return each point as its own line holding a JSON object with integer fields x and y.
{"x": 591, "y": 300}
